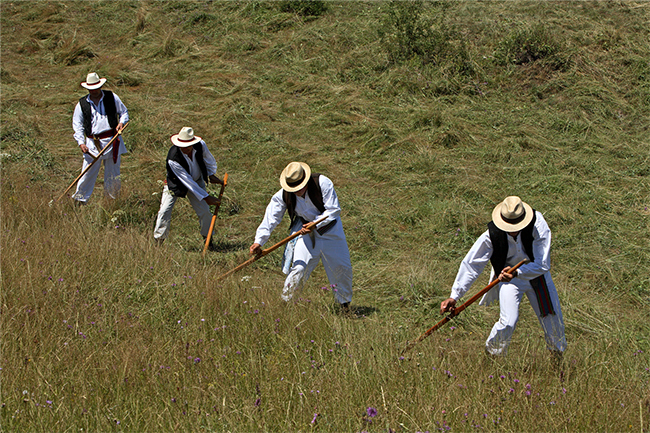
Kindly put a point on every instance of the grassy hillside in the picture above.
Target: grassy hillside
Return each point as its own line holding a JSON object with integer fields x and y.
{"x": 425, "y": 115}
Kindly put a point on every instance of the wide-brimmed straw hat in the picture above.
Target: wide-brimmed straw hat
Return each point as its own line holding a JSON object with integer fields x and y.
{"x": 185, "y": 138}
{"x": 93, "y": 81}
{"x": 295, "y": 176}
{"x": 512, "y": 214}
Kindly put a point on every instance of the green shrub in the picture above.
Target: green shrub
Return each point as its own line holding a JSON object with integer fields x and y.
{"x": 405, "y": 33}
{"x": 408, "y": 32}
{"x": 531, "y": 44}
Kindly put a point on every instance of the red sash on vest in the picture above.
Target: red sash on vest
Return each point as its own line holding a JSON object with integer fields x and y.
{"x": 543, "y": 296}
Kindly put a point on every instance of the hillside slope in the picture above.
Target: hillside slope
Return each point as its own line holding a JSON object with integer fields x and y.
{"x": 422, "y": 132}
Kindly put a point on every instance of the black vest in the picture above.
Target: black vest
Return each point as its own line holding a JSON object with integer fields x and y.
{"x": 315, "y": 195}
{"x": 109, "y": 106}
{"x": 175, "y": 154}
{"x": 499, "y": 240}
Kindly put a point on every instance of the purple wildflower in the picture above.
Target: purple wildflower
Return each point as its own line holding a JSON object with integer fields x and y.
{"x": 372, "y": 412}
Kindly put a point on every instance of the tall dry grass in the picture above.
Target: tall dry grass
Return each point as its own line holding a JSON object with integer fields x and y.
{"x": 103, "y": 330}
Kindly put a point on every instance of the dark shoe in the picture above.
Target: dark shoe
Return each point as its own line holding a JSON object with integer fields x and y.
{"x": 489, "y": 355}
{"x": 344, "y": 309}
{"x": 79, "y": 203}
{"x": 557, "y": 359}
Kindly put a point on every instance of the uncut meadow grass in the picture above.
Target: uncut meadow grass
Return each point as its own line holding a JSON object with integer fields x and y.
{"x": 102, "y": 330}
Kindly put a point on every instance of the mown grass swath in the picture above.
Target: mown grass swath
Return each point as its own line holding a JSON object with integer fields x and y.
{"x": 425, "y": 115}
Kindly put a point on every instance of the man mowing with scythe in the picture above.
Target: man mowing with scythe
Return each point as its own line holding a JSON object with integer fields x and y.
{"x": 517, "y": 232}
{"x": 190, "y": 165}
{"x": 309, "y": 197}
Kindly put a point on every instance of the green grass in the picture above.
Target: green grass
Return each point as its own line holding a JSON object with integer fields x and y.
{"x": 102, "y": 330}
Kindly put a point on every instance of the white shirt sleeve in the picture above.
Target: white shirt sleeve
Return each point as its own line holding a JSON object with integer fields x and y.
{"x": 121, "y": 110}
{"x": 541, "y": 250}
{"x": 330, "y": 201}
{"x": 210, "y": 162}
{"x": 78, "y": 125}
{"x": 472, "y": 265}
{"x": 187, "y": 180}
{"x": 272, "y": 217}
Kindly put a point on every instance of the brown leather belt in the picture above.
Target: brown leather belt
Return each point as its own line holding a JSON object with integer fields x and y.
{"x": 105, "y": 134}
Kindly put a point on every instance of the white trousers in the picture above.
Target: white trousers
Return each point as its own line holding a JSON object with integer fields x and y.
{"x": 112, "y": 183}
{"x": 332, "y": 248}
{"x": 167, "y": 202}
{"x": 510, "y": 297}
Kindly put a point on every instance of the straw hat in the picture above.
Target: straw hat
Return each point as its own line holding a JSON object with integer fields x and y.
{"x": 295, "y": 176}
{"x": 185, "y": 138}
{"x": 512, "y": 214}
{"x": 93, "y": 81}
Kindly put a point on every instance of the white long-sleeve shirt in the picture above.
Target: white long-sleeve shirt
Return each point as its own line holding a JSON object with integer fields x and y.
{"x": 305, "y": 208}
{"x": 480, "y": 253}
{"x": 99, "y": 119}
{"x": 190, "y": 179}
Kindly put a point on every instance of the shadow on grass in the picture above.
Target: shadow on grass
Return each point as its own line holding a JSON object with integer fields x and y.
{"x": 220, "y": 247}
{"x": 361, "y": 311}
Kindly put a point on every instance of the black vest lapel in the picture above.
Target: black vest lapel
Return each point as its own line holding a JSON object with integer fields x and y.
{"x": 109, "y": 106}
{"x": 499, "y": 240}
{"x": 175, "y": 154}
